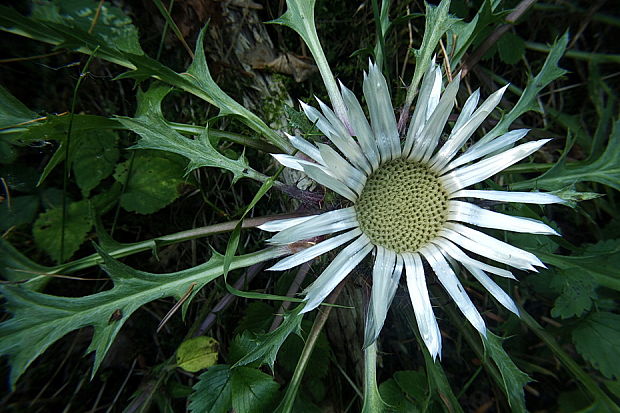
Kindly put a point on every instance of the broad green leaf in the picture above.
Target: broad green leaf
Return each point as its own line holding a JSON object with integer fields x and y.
{"x": 511, "y": 48}
{"x": 113, "y": 26}
{"x": 513, "y": 379}
{"x": 48, "y": 228}
{"x": 156, "y": 134}
{"x": 405, "y": 391}
{"x": 253, "y": 391}
{"x": 12, "y": 111}
{"x": 213, "y": 392}
{"x": 269, "y": 344}
{"x": 577, "y": 292}
{"x": 603, "y": 170}
{"x": 18, "y": 210}
{"x": 197, "y": 353}
{"x": 597, "y": 339}
{"x": 527, "y": 101}
{"x": 94, "y": 159}
{"x": 39, "y": 319}
{"x": 152, "y": 181}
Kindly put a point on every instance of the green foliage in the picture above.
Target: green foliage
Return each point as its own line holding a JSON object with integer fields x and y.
{"x": 268, "y": 344}
{"x": 112, "y": 26}
{"x": 18, "y": 211}
{"x": 511, "y": 48}
{"x": 596, "y": 338}
{"x": 94, "y": 159}
{"x": 513, "y": 379}
{"x": 197, "y": 353}
{"x": 52, "y": 229}
{"x": 151, "y": 180}
{"x": 577, "y": 293}
{"x": 604, "y": 169}
{"x": 405, "y": 391}
{"x": 40, "y": 319}
{"x": 156, "y": 134}
{"x": 12, "y": 111}
{"x": 244, "y": 389}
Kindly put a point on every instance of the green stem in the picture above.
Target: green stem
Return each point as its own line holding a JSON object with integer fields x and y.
{"x": 67, "y": 164}
{"x": 286, "y": 405}
{"x": 372, "y": 399}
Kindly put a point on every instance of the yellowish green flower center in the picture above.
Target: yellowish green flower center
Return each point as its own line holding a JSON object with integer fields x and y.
{"x": 403, "y": 206}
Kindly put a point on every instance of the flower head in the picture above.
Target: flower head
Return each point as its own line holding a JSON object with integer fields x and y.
{"x": 409, "y": 200}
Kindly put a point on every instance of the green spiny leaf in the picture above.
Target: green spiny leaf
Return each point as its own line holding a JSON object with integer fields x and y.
{"x": 548, "y": 73}
{"x": 269, "y": 344}
{"x": 12, "y": 111}
{"x": 513, "y": 379}
{"x": 41, "y": 319}
{"x": 604, "y": 170}
{"x": 156, "y": 134}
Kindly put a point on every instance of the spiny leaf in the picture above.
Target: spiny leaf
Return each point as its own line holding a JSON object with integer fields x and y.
{"x": 198, "y": 81}
{"x": 548, "y": 73}
{"x": 597, "y": 338}
{"x": 513, "y": 379}
{"x": 156, "y": 134}
{"x": 41, "y": 319}
{"x": 269, "y": 344}
{"x": 12, "y": 111}
{"x": 604, "y": 170}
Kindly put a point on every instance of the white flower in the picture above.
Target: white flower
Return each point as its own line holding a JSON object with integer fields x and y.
{"x": 409, "y": 201}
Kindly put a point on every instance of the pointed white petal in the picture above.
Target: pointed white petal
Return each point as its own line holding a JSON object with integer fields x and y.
{"x": 431, "y": 78}
{"x": 461, "y": 134}
{"x": 495, "y": 290}
{"x": 468, "y": 109}
{"x": 478, "y": 151}
{"x": 335, "y": 272}
{"x": 385, "y": 276}
{"x": 487, "y": 246}
{"x": 427, "y": 142}
{"x": 541, "y": 198}
{"x": 452, "y": 285}
{"x": 305, "y": 147}
{"x": 289, "y": 161}
{"x": 473, "y": 214}
{"x": 381, "y": 113}
{"x": 360, "y": 127}
{"x": 343, "y": 140}
{"x": 481, "y": 170}
{"x": 282, "y": 224}
{"x": 418, "y": 292}
{"x": 455, "y": 252}
{"x": 315, "y": 250}
{"x": 327, "y": 223}
{"x": 435, "y": 94}
{"x": 342, "y": 169}
{"x": 322, "y": 177}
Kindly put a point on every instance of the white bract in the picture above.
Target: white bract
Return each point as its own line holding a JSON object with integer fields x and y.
{"x": 409, "y": 201}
